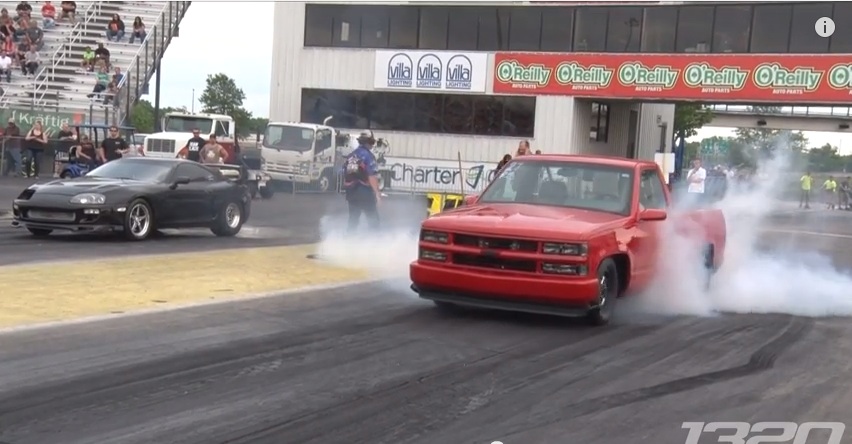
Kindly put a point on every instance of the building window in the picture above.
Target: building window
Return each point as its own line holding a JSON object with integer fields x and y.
{"x": 841, "y": 40}
{"x": 771, "y": 28}
{"x": 623, "y": 29}
{"x": 375, "y": 23}
{"x": 658, "y": 34}
{"x": 404, "y": 23}
{"x": 525, "y": 29}
{"x": 557, "y": 29}
{"x": 347, "y": 27}
{"x": 434, "y": 23}
{"x": 731, "y": 29}
{"x": 803, "y": 39}
{"x": 600, "y": 122}
{"x": 420, "y": 112}
{"x": 590, "y": 30}
{"x": 494, "y": 29}
{"x": 318, "y": 24}
{"x": 463, "y": 28}
{"x": 694, "y": 29}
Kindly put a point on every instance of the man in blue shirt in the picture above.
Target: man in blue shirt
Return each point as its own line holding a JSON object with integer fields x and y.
{"x": 361, "y": 182}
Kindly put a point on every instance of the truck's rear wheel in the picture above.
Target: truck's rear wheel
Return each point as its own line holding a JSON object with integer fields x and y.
{"x": 607, "y": 294}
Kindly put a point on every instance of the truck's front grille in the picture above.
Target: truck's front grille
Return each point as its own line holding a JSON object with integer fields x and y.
{"x": 159, "y": 145}
{"x": 494, "y": 243}
{"x": 494, "y": 262}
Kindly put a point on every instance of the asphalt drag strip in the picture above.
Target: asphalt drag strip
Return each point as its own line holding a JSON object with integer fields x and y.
{"x": 372, "y": 364}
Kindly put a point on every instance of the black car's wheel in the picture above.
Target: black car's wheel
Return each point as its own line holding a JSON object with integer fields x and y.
{"x": 39, "y": 232}
{"x": 267, "y": 192}
{"x": 229, "y": 221}
{"x": 607, "y": 294}
{"x": 138, "y": 220}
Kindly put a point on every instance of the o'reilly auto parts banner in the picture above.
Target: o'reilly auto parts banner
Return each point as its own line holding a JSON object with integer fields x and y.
{"x": 431, "y": 71}
{"x": 743, "y": 77}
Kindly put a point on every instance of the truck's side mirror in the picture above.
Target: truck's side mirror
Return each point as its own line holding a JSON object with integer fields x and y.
{"x": 470, "y": 199}
{"x": 653, "y": 214}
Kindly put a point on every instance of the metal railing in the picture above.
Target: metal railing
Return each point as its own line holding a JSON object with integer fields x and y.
{"x": 147, "y": 58}
{"x": 48, "y": 74}
{"x": 790, "y": 111}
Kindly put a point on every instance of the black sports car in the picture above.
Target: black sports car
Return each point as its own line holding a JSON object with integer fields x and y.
{"x": 137, "y": 196}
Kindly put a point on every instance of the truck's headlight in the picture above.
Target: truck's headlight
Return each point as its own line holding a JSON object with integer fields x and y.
{"x": 431, "y": 255}
{"x": 565, "y": 249}
{"x": 566, "y": 269}
{"x": 435, "y": 237}
{"x": 89, "y": 199}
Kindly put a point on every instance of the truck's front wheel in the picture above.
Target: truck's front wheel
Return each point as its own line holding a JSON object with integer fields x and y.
{"x": 607, "y": 293}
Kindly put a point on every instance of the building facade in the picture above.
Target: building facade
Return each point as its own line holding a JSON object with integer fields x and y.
{"x": 310, "y": 83}
{"x": 361, "y": 64}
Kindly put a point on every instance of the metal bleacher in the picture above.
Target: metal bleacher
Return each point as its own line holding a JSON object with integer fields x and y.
{"x": 62, "y": 86}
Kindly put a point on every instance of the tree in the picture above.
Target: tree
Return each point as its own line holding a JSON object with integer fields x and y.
{"x": 767, "y": 140}
{"x": 689, "y": 118}
{"x": 142, "y": 115}
{"x": 221, "y": 95}
{"x": 825, "y": 159}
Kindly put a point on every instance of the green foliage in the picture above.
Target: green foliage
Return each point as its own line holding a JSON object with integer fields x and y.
{"x": 689, "y": 118}
{"x": 142, "y": 116}
{"x": 223, "y": 96}
{"x": 768, "y": 140}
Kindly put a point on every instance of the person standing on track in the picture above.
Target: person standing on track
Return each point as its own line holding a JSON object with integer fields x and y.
{"x": 191, "y": 150}
{"x": 361, "y": 182}
{"x": 212, "y": 152}
{"x": 805, "y": 198}
{"x": 113, "y": 147}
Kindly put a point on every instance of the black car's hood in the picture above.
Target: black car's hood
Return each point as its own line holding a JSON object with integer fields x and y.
{"x": 71, "y": 187}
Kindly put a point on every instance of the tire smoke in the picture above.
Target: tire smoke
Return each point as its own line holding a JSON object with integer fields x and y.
{"x": 753, "y": 278}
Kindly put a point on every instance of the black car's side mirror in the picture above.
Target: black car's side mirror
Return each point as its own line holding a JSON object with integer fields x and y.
{"x": 180, "y": 181}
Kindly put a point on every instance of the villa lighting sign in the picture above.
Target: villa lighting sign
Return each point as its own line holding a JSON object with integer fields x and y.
{"x": 431, "y": 71}
{"x": 712, "y": 77}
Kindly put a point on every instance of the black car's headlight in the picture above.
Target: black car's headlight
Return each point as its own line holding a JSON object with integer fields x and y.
{"x": 565, "y": 249}
{"x": 89, "y": 199}
{"x": 435, "y": 237}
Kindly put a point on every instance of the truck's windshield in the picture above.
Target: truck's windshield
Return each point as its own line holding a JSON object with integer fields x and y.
{"x": 574, "y": 185}
{"x": 185, "y": 124}
{"x": 289, "y": 138}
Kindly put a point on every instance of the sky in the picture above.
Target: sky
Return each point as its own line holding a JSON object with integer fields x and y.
{"x": 242, "y": 50}
{"x": 244, "y": 53}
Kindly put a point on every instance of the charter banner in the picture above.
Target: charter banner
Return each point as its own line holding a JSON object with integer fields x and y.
{"x": 774, "y": 78}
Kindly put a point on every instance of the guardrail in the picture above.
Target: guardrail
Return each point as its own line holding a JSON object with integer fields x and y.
{"x": 48, "y": 73}
{"x": 147, "y": 58}
{"x": 790, "y": 111}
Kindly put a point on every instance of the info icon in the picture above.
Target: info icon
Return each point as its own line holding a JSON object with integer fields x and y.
{"x": 824, "y": 27}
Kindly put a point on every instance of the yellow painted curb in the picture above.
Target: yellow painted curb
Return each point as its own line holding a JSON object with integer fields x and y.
{"x": 59, "y": 291}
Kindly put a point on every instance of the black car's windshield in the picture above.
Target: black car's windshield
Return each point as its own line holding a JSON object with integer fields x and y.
{"x": 567, "y": 184}
{"x": 289, "y": 138}
{"x": 133, "y": 170}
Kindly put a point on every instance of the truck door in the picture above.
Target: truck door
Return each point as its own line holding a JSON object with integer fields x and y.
{"x": 645, "y": 244}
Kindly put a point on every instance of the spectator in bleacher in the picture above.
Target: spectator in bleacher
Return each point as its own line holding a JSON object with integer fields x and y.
{"x": 23, "y": 49}
{"x": 117, "y": 76}
{"x": 23, "y": 27}
{"x": 36, "y": 142}
{"x": 31, "y": 62}
{"x": 12, "y": 139}
{"x": 101, "y": 83}
{"x": 6, "y": 66}
{"x": 115, "y": 29}
{"x": 69, "y": 11}
{"x": 88, "y": 59}
{"x": 10, "y": 48}
{"x": 102, "y": 54}
{"x": 48, "y": 15}
{"x": 138, "y": 30}
{"x": 24, "y": 9}
{"x": 7, "y": 28}
{"x": 35, "y": 36}
{"x": 111, "y": 94}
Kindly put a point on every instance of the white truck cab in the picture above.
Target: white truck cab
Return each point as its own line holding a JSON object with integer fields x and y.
{"x": 177, "y": 130}
{"x": 304, "y": 153}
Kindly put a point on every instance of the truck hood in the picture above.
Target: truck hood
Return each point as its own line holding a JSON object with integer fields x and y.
{"x": 173, "y": 136}
{"x": 71, "y": 187}
{"x": 522, "y": 220}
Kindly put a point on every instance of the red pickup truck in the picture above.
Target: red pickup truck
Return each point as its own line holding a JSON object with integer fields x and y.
{"x": 557, "y": 234}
